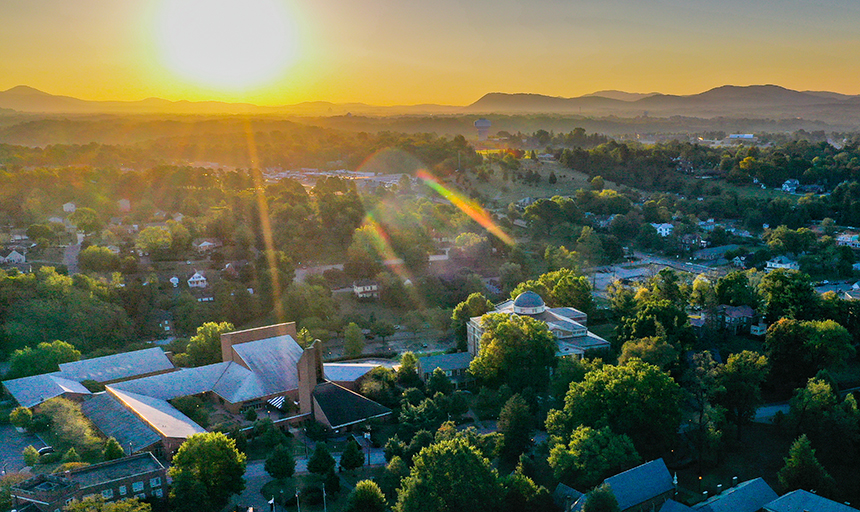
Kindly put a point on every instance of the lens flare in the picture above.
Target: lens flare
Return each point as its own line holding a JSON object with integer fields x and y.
{"x": 466, "y": 205}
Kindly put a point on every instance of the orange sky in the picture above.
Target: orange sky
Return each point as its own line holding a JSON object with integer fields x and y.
{"x": 408, "y": 52}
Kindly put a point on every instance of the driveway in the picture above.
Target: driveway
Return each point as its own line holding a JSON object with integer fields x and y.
{"x": 12, "y": 443}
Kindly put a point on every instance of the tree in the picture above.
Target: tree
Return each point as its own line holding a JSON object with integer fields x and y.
{"x": 636, "y": 399}
{"x": 474, "y": 305}
{"x": 653, "y": 350}
{"x": 431, "y": 488}
{"x": 321, "y": 460}
{"x": 798, "y": 349}
{"x": 366, "y": 497}
{"x": 86, "y": 220}
{"x": 352, "y": 457}
{"x": 155, "y": 241}
{"x": 71, "y": 455}
{"x": 281, "y": 463}
{"x": 735, "y": 290}
{"x": 113, "y": 450}
{"x": 740, "y": 381}
{"x": 573, "y": 291}
{"x": 395, "y": 471}
{"x": 592, "y": 455}
{"x": 815, "y": 411}
{"x": 45, "y": 358}
{"x": 69, "y": 424}
{"x": 597, "y": 183}
{"x": 353, "y": 340}
{"x": 439, "y": 383}
{"x": 20, "y": 417}
{"x": 521, "y": 493}
{"x": 601, "y": 499}
{"x": 97, "y": 503}
{"x": 382, "y": 329}
{"x": 787, "y": 293}
{"x": 31, "y": 455}
{"x": 517, "y": 350}
{"x": 407, "y": 374}
{"x": 803, "y": 471}
{"x": 98, "y": 259}
{"x": 206, "y": 470}
{"x": 205, "y": 346}
{"x": 515, "y": 425}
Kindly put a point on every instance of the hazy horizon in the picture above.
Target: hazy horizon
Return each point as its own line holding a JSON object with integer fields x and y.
{"x": 281, "y": 52}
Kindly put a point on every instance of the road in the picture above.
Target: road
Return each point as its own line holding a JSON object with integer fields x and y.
{"x": 12, "y": 444}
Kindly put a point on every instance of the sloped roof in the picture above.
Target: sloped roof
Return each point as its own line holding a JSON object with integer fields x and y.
{"x": 115, "y": 420}
{"x": 274, "y": 362}
{"x": 749, "y": 496}
{"x": 239, "y": 384}
{"x": 32, "y": 391}
{"x": 640, "y": 484}
{"x": 456, "y": 361}
{"x": 183, "y": 382}
{"x": 801, "y": 501}
{"x": 674, "y": 506}
{"x": 343, "y": 407}
{"x": 117, "y": 366}
{"x": 347, "y": 372}
{"x": 528, "y": 299}
{"x": 565, "y": 495}
{"x": 159, "y": 414}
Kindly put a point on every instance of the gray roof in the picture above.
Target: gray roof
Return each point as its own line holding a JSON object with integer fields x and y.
{"x": 749, "y": 496}
{"x": 457, "y": 361}
{"x": 640, "y": 484}
{"x": 110, "y": 471}
{"x": 274, "y": 362}
{"x": 115, "y": 420}
{"x": 117, "y": 366}
{"x": 343, "y": 407}
{"x": 528, "y": 299}
{"x": 32, "y": 391}
{"x": 160, "y": 415}
{"x": 183, "y": 382}
{"x": 801, "y": 501}
{"x": 674, "y": 506}
{"x": 565, "y": 496}
{"x": 347, "y": 372}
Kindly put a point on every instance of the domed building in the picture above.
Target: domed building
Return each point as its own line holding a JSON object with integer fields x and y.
{"x": 567, "y": 324}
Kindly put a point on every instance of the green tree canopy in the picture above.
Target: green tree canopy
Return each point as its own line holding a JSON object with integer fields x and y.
{"x": 430, "y": 486}
{"x": 45, "y": 358}
{"x": 281, "y": 463}
{"x": 601, "y": 499}
{"x": 86, "y": 220}
{"x": 205, "y": 346}
{"x": 636, "y": 399}
{"x": 206, "y": 470}
{"x": 517, "y": 350}
{"x": 798, "y": 349}
{"x": 366, "y": 497}
{"x": 787, "y": 293}
{"x": 321, "y": 460}
{"x": 113, "y": 450}
{"x": 515, "y": 425}
{"x": 352, "y": 456}
{"x": 653, "y": 350}
{"x": 803, "y": 471}
{"x": 591, "y": 455}
{"x": 739, "y": 382}
{"x": 474, "y": 305}
{"x": 353, "y": 340}
{"x": 97, "y": 503}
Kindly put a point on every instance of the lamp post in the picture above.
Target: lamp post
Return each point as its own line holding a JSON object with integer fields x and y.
{"x": 298, "y": 506}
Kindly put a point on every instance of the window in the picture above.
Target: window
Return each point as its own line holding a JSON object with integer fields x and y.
{"x": 158, "y": 493}
{"x": 107, "y": 494}
{"x": 137, "y": 486}
{"x": 155, "y": 482}
{"x": 123, "y": 490}
{"x": 141, "y": 496}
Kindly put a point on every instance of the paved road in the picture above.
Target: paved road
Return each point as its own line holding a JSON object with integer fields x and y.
{"x": 12, "y": 443}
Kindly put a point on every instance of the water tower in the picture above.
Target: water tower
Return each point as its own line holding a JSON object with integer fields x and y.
{"x": 483, "y": 127}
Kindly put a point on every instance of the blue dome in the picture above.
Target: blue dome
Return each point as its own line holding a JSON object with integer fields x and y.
{"x": 528, "y": 300}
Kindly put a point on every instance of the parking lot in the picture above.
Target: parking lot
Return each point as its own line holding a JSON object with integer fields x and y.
{"x": 12, "y": 443}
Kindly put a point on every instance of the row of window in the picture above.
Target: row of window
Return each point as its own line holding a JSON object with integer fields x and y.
{"x": 136, "y": 488}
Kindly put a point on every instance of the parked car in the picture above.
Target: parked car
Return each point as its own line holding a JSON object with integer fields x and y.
{"x": 45, "y": 450}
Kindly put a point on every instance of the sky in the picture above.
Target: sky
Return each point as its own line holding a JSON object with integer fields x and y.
{"x": 404, "y": 52}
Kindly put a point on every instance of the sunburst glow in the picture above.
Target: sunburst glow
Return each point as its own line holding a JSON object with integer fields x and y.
{"x": 230, "y": 44}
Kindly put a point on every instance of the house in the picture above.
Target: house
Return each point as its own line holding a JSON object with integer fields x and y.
{"x": 643, "y": 488}
{"x": 805, "y": 501}
{"x": 783, "y": 262}
{"x": 69, "y": 208}
{"x": 123, "y": 205}
{"x": 851, "y": 240}
{"x": 737, "y": 318}
{"x": 206, "y": 245}
{"x": 454, "y": 366}
{"x": 567, "y": 324}
{"x": 790, "y": 185}
{"x": 141, "y": 476}
{"x": 164, "y": 321}
{"x": 197, "y": 280}
{"x": 759, "y": 329}
{"x": 663, "y": 229}
{"x": 749, "y": 496}
{"x": 739, "y": 261}
{"x": 12, "y": 257}
{"x": 366, "y": 289}
{"x": 714, "y": 253}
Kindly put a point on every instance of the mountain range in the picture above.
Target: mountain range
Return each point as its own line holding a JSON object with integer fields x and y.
{"x": 755, "y": 101}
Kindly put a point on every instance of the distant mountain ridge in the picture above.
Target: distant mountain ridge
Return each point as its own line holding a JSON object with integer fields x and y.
{"x": 727, "y": 101}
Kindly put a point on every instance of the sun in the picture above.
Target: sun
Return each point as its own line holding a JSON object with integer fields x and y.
{"x": 226, "y": 44}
